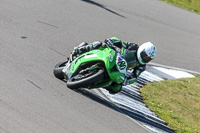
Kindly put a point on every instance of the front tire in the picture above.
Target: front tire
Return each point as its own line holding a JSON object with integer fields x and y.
{"x": 58, "y": 70}
{"x": 85, "y": 82}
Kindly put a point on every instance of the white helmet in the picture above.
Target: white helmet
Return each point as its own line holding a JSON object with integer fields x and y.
{"x": 146, "y": 52}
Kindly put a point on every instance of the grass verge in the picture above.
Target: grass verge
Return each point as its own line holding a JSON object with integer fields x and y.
{"x": 177, "y": 102}
{"x": 191, "y": 5}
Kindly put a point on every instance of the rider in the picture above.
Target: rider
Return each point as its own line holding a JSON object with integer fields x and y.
{"x": 143, "y": 54}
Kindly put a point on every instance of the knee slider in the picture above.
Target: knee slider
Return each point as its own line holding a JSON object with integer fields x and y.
{"x": 96, "y": 44}
{"x": 83, "y": 44}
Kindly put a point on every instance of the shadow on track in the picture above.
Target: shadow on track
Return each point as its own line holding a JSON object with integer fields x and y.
{"x": 96, "y": 98}
{"x": 124, "y": 110}
{"x": 134, "y": 113}
{"x": 102, "y": 6}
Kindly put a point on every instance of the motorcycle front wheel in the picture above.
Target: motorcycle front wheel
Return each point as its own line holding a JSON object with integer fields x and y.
{"x": 57, "y": 71}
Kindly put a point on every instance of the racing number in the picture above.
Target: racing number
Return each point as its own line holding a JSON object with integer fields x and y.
{"x": 121, "y": 65}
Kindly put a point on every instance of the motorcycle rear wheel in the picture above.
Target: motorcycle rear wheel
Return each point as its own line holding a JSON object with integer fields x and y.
{"x": 85, "y": 82}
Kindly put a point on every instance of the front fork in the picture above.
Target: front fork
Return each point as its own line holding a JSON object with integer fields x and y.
{"x": 66, "y": 68}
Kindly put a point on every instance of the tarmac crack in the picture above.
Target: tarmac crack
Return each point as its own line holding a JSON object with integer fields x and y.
{"x": 48, "y": 24}
{"x": 34, "y": 84}
{"x": 57, "y": 51}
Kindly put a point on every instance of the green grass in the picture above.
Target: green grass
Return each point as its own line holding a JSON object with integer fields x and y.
{"x": 191, "y": 5}
{"x": 177, "y": 102}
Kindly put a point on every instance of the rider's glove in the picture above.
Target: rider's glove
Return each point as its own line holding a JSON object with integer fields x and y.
{"x": 132, "y": 46}
{"x": 109, "y": 41}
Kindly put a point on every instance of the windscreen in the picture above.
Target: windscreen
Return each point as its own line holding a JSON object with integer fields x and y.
{"x": 130, "y": 58}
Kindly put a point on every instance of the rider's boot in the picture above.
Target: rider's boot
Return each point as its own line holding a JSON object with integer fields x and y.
{"x": 82, "y": 48}
{"x": 85, "y": 47}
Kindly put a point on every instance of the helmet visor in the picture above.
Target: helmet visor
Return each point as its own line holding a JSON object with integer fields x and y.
{"x": 145, "y": 57}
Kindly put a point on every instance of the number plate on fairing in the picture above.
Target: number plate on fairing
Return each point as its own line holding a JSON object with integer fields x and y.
{"x": 121, "y": 64}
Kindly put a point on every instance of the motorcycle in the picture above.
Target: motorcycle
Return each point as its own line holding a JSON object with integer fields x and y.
{"x": 96, "y": 68}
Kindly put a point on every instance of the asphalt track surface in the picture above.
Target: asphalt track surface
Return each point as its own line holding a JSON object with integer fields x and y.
{"x": 37, "y": 34}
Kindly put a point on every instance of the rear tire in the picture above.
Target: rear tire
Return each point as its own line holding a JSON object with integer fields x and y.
{"x": 86, "y": 81}
{"x": 58, "y": 70}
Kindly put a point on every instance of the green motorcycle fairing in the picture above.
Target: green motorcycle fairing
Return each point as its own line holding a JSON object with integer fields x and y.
{"x": 115, "y": 65}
